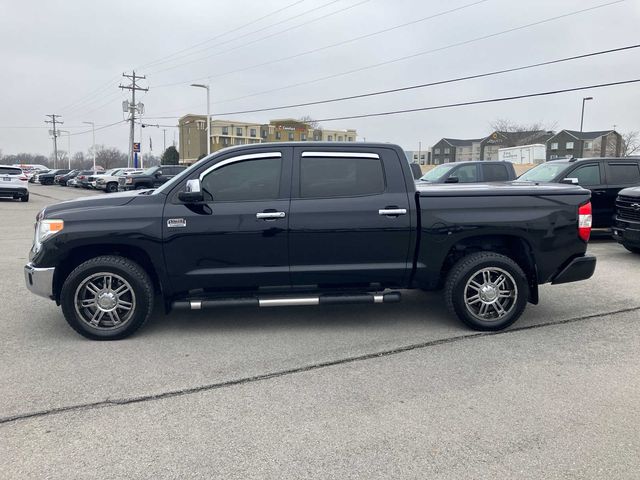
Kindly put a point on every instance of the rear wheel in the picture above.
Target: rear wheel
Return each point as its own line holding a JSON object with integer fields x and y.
{"x": 24, "y": 198}
{"x": 486, "y": 290}
{"x": 107, "y": 298}
{"x": 631, "y": 249}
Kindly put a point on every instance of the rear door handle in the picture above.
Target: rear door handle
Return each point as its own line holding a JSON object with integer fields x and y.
{"x": 391, "y": 212}
{"x": 270, "y": 215}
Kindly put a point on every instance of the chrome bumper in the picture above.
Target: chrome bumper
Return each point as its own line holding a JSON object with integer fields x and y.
{"x": 39, "y": 280}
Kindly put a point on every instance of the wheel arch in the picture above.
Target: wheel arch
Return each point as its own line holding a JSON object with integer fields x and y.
{"x": 81, "y": 254}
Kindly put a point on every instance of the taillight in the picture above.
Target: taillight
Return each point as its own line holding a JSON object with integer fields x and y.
{"x": 24, "y": 178}
{"x": 584, "y": 221}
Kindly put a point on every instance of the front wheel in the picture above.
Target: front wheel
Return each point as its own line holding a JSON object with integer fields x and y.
{"x": 486, "y": 291}
{"x": 111, "y": 187}
{"x": 107, "y": 298}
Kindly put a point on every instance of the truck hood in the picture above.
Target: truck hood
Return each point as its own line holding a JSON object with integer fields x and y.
{"x": 631, "y": 192}
{"x": 498, "y": 188}
{"x": 99, "y": 201}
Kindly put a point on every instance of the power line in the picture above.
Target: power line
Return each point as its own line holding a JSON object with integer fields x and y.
{"x": 102, "y": 127}
{"x": 425, "y": 52}
{"x": 425, "y": 85}
{"x": 163, "y": 59}
{"x": 267, "y": 36}
{"x": 351, "y": 40}
{"x": 478, "y": 102}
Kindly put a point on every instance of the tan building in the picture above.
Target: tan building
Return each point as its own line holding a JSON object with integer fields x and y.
{"x": 227, "y": 133}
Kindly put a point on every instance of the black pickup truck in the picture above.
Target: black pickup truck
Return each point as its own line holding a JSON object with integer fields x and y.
{"x": 151, "y": 178}
{"x": 626, "y": 226}
{"x": 306, "y": 224}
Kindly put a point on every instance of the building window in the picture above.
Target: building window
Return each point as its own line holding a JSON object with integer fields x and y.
{"x": 554, "y": 146}
{"x": 303, "y": 137}
{"x": 239, "y": 131}
{"x": 446, "y": 159}
{"x": 349, "y": 139}
{"x": 278, "y": 136}
{"x": 340, "y": 138}
{"x": 263, "y": 133}
{"x": 317, "y": 137}
{"x": 569, "y": 145}
{"x": 252, "y": 132}
{"x": 436, "y": 151}
{"x": 415, "y": 156}
{"x": 447, "y": 150}
{"x": 291, "y": 136}
{"x": 588, "y": 145}
{"x": 225, "y": 141}
{"x": 421, "y": 157}
{"x": 225, "y": 130}
{"x": 329, "y": 138}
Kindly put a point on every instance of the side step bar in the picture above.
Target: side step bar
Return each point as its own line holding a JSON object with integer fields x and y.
{"x": 326, "y": 299}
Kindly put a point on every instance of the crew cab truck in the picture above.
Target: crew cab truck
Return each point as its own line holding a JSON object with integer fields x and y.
{"x": 470, "y": 172}
{"x": 306, "y": 224}
{"x": 626, "y": 227}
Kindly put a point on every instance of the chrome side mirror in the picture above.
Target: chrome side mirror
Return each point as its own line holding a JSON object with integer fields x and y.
{"x": 192, "y": 192}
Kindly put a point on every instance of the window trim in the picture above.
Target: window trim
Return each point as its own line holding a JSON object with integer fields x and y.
{"x": 341, "y": 154}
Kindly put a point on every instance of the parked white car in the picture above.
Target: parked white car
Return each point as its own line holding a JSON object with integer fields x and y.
{"x": 109, "y": 181}
{"x": 13, "y": 183}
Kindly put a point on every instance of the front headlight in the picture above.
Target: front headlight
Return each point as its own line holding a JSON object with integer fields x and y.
{"x": 129, "y": 180}
{"x": 46, "y": 229}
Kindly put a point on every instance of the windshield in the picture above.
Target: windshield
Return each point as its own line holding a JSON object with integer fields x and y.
{"x": 150, "y": 171}
{"x": 437, "y": 173}
{"x": 546, "y": 172}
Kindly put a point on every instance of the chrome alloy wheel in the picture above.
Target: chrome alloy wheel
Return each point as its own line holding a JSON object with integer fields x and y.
{"x": 105, "y": 301}
{"x": 490, "y": 294}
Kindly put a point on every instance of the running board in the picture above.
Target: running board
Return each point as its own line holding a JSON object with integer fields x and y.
{"x": 202, "y": 303}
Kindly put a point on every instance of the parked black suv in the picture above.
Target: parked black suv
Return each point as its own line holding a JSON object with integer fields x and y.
{"x": 470, "y": 172}
{"x": 605, "y": 177}
{"x": 66, "y": 177}
{"x": 151, "y": 178}
{"x": 48, "y": 178}
{"x": 626, "y": 229}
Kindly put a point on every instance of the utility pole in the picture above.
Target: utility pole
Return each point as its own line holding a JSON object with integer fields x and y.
{"x": 54, "y": 121}
{"x": 164, "y": 139}
{"x": 207, "y": 88}
{"x": 133, "y": 108}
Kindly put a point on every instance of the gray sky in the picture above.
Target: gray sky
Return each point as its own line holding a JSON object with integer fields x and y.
{"x": 66, "y": 57}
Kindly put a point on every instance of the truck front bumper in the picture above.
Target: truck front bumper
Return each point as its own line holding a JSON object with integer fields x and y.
{"x": 39, "y": 280}
{"x": 580, "y": 268}
{"x": 627, "y": 233}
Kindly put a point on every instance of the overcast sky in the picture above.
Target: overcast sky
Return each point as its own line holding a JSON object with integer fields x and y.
{"x": 67, "y": 57}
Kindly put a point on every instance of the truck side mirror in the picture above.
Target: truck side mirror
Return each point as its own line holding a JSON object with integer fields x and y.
{"x": 452, "y": 180}
{"x": 570, "y": 181}
{"x": 192, "y": 192}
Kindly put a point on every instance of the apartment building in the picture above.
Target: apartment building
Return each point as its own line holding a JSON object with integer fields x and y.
{"x": 455, "y": 150}
{"x": 226, "y": 133}
{"x": 571, "y": 143}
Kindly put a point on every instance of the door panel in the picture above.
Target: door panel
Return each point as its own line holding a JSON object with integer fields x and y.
{"x": 591, "y": 176}
{"x": 338, "y": 240}
{"x": 238, "y": 238}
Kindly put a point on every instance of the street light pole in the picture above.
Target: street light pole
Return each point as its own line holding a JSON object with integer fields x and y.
{"x": 93, "y": 148}
{"x": 582, "y": 114}
{"x": 199, "y": 85}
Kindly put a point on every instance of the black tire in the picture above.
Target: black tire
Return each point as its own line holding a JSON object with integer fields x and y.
{"x": 459, "y": 288}
{"x": 141, "y": 298}
{"x": 631, "y": 249}
{"x": 25, "y": 198}
{"x": 111, "y": 187}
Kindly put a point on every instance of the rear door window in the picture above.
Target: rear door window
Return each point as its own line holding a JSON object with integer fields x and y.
{"x": 495, "y": 173}
{"x": 623, "y": 174}
{"x": 587, "y": 174}
{"x": 322, "y": 177}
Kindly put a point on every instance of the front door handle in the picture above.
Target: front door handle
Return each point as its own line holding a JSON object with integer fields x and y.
{"x": 270, "y": 215}
{"x": 392, "y": 212}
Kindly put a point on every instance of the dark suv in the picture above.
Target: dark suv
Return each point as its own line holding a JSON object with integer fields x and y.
{"x": 605, "y": 177}
{"x": 626, "y": 229}
{"x": 151, "y": 178}
{"x": 470, "y": 172}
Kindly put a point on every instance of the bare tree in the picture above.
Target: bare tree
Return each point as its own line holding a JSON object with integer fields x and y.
{"x": 110, "y": 157}
{"x": 79, "y": 162}
{"x": 507, "y": 125}
{"x": 630, "y": 143}
{"x": 311, "y": 122}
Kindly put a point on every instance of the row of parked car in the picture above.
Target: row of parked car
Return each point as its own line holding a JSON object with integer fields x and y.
{"x": 109, "y": 181}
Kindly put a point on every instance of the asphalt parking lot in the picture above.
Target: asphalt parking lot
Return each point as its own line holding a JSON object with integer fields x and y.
{"x": 361, "y": 391}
